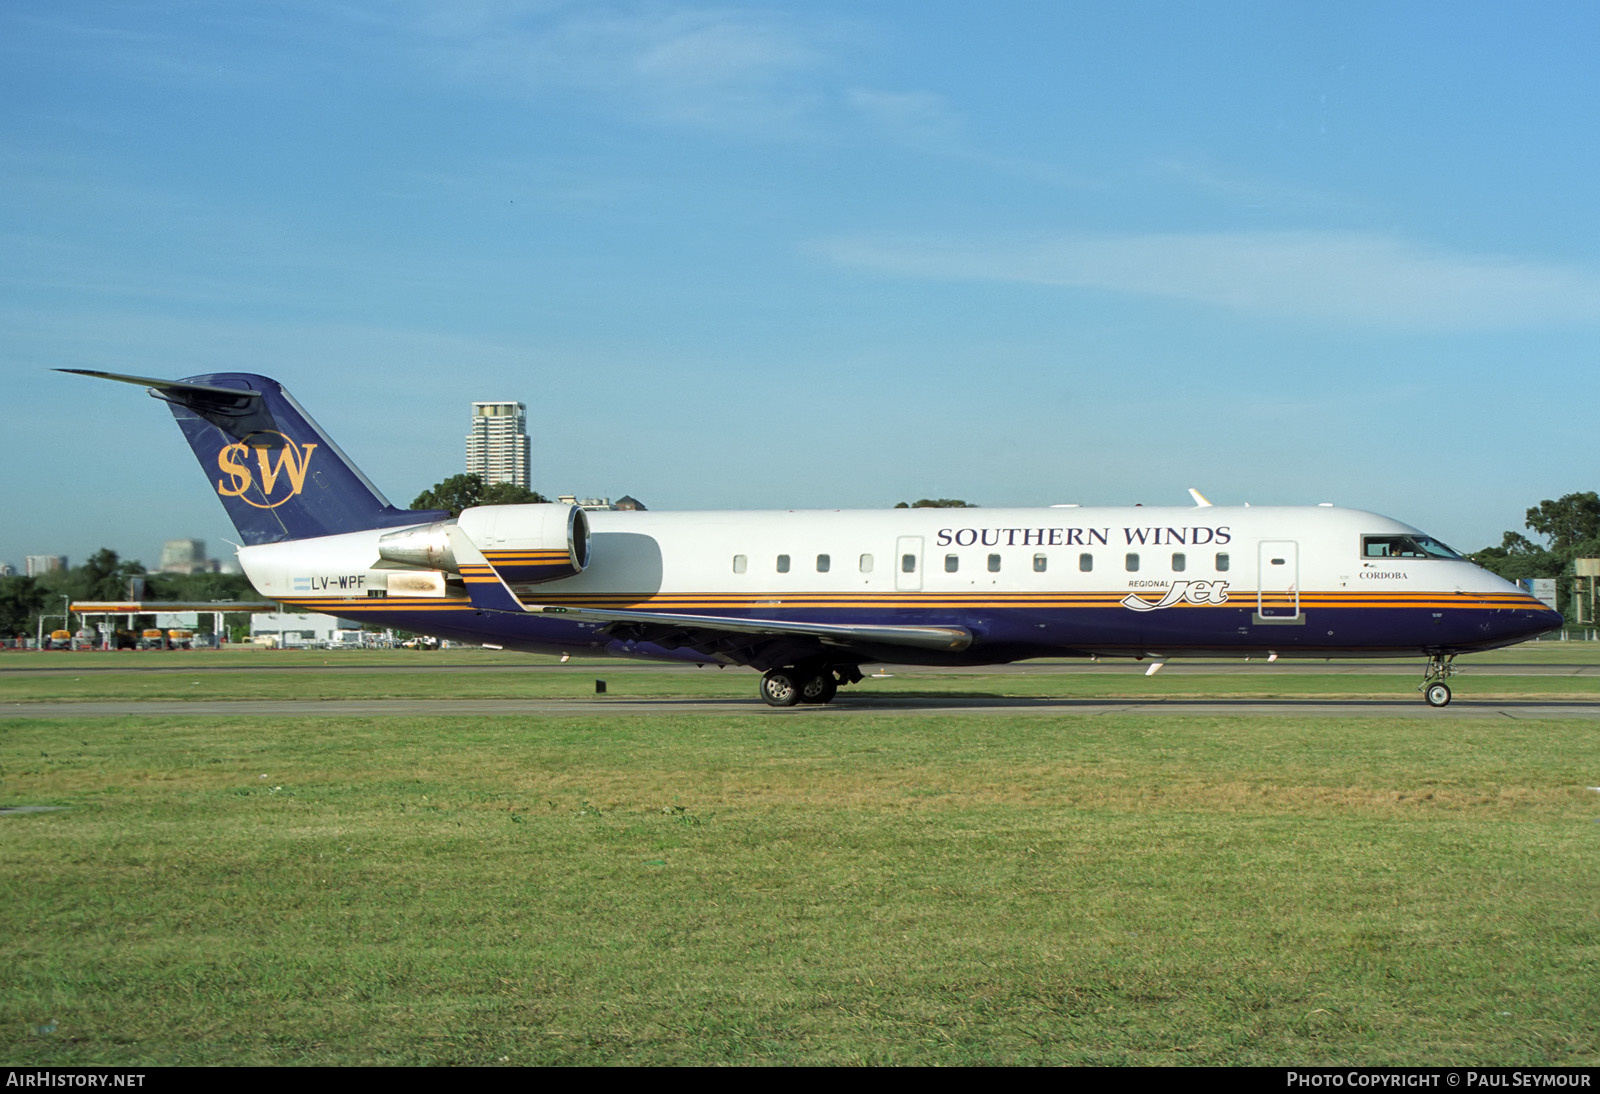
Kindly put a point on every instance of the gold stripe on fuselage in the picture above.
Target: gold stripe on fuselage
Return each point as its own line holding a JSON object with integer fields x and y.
{"x": 975, "y": 601}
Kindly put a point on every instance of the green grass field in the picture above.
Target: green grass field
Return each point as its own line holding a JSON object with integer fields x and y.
{"x": 861, "y": 888}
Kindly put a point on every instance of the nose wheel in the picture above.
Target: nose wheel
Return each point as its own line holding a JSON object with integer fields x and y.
{"x": 1433, "y": 687}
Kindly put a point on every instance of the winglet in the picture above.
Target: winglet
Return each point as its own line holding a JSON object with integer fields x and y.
{"x": 1199, "y": 499}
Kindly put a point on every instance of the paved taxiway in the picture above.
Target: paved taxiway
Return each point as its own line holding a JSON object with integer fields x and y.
{"x": 843, "y": 706}
{"x": 1184, "y": 667}
{"x": 862, "y": 700}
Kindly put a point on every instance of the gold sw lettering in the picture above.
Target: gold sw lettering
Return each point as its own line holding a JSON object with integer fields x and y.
{"x": 291, "y": 465}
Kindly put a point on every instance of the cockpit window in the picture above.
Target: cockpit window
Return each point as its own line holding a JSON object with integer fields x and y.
{"x": 1404, "y": 547}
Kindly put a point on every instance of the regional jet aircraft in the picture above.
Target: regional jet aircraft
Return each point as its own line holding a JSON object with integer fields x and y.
{"x": 808, "y": 598}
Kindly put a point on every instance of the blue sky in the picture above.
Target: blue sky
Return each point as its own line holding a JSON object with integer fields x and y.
{"x": 753, "y": 255}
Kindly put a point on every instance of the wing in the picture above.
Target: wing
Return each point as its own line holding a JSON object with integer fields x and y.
{"x": 489, "y": 592}
{"x": 838, "y": 634}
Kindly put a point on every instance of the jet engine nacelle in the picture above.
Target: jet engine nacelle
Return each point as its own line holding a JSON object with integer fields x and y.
{"x": 526, "y": 544}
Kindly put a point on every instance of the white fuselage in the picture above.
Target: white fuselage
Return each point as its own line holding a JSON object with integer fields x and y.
{"x": 1052, "y": 578}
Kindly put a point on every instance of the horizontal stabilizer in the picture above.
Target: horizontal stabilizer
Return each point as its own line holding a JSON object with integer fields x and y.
{"x": 241, "y": 412}
{"x": 177, "y": 387}
{"x": 279, "y": 476}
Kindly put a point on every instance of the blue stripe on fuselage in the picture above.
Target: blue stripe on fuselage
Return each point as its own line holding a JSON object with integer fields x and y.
{"x": 1002, "y": 635}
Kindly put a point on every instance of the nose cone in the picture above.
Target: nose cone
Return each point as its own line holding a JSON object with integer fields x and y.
{"x": 1530, "y": 621}
{"x": 1548, "y": 619}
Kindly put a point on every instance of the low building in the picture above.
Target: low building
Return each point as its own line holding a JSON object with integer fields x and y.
{"x": 624, "y": 502}
{"x": 291, "y": 629}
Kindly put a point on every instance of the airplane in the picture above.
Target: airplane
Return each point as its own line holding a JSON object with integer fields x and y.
{"x": 809, "y": 597}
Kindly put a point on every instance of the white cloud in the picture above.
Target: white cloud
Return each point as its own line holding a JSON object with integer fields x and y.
{"x": 1247, "y": 190}
{"x": 915, "y": 117}
{"x": 718, "y": 68}
{"x": 1342, "y": 277}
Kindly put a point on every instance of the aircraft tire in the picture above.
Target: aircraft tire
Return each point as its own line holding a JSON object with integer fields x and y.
{"x": 779, "y": 689}
{"x": 819, "y": 687}
{"x": 1437, "y": 695}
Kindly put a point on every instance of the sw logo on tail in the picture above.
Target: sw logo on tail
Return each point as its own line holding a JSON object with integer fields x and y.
{"x": 293, "y": 462}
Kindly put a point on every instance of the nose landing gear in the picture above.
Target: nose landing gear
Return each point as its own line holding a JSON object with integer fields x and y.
{"x": 1433, "y": 687}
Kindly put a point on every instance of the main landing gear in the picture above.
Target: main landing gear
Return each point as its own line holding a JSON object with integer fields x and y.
{"x": 1433, "y": 687}
{"x": 784, "y": 687}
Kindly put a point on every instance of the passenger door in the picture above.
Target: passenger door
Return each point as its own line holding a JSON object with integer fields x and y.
{"x": 1278, "y": 581}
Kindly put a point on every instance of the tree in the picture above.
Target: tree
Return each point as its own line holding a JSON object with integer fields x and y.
{"x": 1570, "y": 523}
{"x": 200, "y": 587}
{"x": 460, "y": 492}
{"x": 1517, "y": 557}
{"x": 505, "y": 493}
{"x": 1567, "y": 522}
{"x": 103, "y": 577}
{"x": 936, "y": 503}
{"x": 20, "y": 600}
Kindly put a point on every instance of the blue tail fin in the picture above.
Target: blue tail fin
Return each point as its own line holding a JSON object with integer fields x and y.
{"x": 278, "y": 474}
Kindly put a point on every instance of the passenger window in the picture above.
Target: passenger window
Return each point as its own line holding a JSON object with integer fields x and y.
{"x": 1085, "y": 562}
{"x": 1222, "y": 562}
{"x": 866, "y": 564}
{"x": 1131, "y": 563}
{"x": 994, "y": 564}
{"x": 823, "y": 562}
{"x": 952, "y": 563}
{"x": 740, "y": 563}
{"x": 1039, "y": 562}
{"x": 783, "y": 564}
{"x": 1178, "y": 562}
{"x": 908, "y": 564}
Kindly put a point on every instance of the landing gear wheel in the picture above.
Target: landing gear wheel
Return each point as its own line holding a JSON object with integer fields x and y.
{"x": 778, "y": 688}
{"x": 1433, "y": 687}
{"x": 819, "y": 687}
